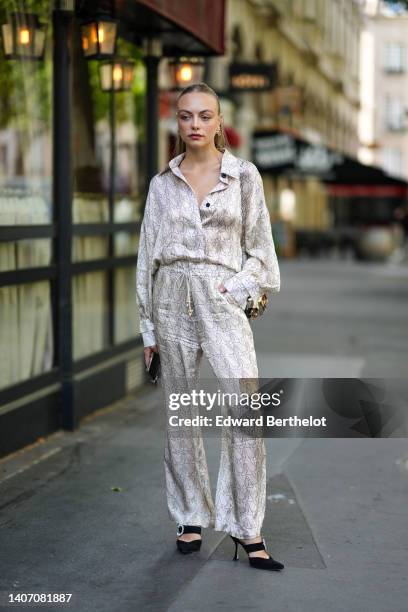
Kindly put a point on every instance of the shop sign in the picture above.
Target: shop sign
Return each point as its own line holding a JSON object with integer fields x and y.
{"x": 251, "y": 76}
{"x": 280, "y": 151}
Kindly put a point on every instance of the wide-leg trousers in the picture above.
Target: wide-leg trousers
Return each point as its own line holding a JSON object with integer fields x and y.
{"x": 193, "y": 317}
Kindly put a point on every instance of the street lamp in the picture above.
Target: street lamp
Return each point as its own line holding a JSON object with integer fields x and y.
{"x": 186, "y": 70}
{"x": 23, "y": 37}
{"x": 116, "y": 74}
{"x": 99, "y": 37}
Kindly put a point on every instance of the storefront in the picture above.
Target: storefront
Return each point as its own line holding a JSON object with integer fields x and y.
{"x": 327, "y": 197}
{"x": 74, "y": 165}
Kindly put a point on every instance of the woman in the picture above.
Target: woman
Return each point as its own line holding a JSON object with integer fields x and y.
{"x": 193, "y": 281}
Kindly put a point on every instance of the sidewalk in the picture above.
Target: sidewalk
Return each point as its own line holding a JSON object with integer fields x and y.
{"x": 336, "y": 517}
{"x": 336, "y": 510}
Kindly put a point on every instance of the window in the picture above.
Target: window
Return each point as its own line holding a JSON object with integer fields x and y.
{"x": 394, "y": 113}
{"x": 392, "y": 161}
{"x": 26, "y": 315}
{"x": 309, "y": 10}
{"x": 394, "y": 57}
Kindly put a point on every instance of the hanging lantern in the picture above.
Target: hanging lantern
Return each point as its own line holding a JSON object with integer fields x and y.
{"x": 117, "y": 74}
{"x": 23, "y": 37}
{"x": 186, "y": 70}
{"x": 99, "y": 38}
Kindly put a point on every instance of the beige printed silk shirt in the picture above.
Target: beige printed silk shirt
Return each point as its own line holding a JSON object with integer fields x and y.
{"x": 176, "y": 227}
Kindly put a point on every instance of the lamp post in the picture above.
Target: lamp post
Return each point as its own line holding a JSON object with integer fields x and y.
{"x": 62, "y": 17}
{"x": 23, "y": 37}
{"x": 99, "y": 38}
{"x": 115, "y": 75}
{"x": 152, "y": 48}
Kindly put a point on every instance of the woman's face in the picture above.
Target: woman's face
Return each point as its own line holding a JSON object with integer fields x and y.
{"x": 197, "y": 115}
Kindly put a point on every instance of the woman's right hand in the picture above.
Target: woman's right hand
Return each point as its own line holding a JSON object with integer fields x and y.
{"x": 148, "y": 354}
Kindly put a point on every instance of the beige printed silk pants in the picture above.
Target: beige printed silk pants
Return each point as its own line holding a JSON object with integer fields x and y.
{"x": 192, "y": 317}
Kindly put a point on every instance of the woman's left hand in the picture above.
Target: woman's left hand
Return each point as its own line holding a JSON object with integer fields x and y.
{"x": 222, "y": 288}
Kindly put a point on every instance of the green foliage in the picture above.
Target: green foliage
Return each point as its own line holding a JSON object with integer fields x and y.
{"x": 41, "y": 7}
{"x": 129, "y": 105}
{"x": 25, "y": 86}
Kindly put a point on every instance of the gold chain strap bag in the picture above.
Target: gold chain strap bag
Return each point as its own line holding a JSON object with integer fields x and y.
{"x": 254, "y": 308}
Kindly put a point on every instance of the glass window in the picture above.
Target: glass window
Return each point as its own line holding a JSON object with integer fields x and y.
{"x": 88, "y": 248}
{"x": 25, "y": 130}
{"x": 128, "y": 208}
{"x": 394, "y": 113}
{"x": 126, "y": 311}
{"x": 126, "y": 243}
{"x": 90, "y": 117}
{"x": 130, "y": 142}
{"x": 392, "y": 161}
{"x": 394, "y": 59}
{"x": 90, "y": 208}
{"x": 92, "y": 124}
{"x": 29, "y": 253}
{"x": 26, "y": 334}
{"x": 90, "y": 313}
{"x": 309, "y": 9}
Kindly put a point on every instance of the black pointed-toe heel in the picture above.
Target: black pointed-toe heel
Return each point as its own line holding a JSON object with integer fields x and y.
{"x": 188, "y": 547}
{"x": 257, "y": 562}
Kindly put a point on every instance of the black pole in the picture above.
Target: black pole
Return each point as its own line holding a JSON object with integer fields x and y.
{"x": 152, "y": 58}
{"x": 62, "y": 206}
{"x": 112, "y": 181}
{"x": 152, "y": 116}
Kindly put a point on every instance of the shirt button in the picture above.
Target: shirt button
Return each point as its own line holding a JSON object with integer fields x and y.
{"x": 223, "y": 175}
{"x": 207, "y": 205}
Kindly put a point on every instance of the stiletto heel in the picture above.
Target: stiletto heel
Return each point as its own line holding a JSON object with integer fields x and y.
{"x": 236, "y": 556}
{"x": 188, "y": 547}
{"x": 257, "y": 562}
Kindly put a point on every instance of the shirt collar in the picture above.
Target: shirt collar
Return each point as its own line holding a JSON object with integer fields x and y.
{"x": 229, "y": 164}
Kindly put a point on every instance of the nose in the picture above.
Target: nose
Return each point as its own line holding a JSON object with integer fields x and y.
{"x": 195, "y": 122}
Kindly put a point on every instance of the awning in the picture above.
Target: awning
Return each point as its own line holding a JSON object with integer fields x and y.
{"x": 279, "y": 152}
{"x": 185, "y": 26}
{"x": 367, "y": 191}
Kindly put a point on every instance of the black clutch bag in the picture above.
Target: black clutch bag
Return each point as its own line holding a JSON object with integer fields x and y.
{"x": 154, "y": 367}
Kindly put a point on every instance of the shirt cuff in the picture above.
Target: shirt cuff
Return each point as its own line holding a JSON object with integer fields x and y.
{"x": 238, "y": 291}
{"x": 146, "y": 325}
{"x": 149, "y": 338}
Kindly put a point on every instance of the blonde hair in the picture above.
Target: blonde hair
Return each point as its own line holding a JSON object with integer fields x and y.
{"x": 220, "y": 140}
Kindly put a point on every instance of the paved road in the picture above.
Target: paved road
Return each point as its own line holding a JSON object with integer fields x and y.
{"x": 336, "y": 508}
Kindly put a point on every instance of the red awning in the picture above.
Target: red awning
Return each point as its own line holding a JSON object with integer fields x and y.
{"x": 367, "y": 191}
{"x": 204, "y": 19}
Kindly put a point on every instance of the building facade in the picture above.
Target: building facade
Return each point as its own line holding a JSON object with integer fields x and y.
{"x": 314, "y": 45}
{"x": 384, "y": 89}
{"x": 74, "y": 164}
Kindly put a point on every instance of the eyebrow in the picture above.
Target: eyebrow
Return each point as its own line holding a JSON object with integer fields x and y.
{"x": 183, "y": 110}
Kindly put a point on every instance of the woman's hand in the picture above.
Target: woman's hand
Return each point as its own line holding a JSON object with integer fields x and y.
{"x": 148, "y": 353}
{"x": 222, "y": 288}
